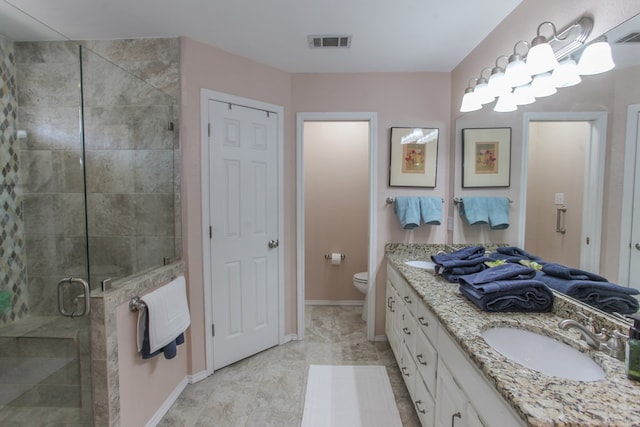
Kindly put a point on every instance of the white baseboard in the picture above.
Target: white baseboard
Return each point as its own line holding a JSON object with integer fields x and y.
{"x": 198, "y": 376}
{"x": 164, "y": 408}
{"x": 287, "y": 338}
{"x": 380, "y": 338}
{"x": 330, "y": 302}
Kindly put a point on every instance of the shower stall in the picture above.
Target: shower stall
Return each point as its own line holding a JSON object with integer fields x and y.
{"x": 88, "y": 194}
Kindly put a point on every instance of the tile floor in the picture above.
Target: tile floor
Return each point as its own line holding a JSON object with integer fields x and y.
{"x": 268, "y": 389}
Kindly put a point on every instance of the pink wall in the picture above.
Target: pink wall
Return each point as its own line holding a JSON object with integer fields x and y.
{"x": 155, "y": 378}
{"x": 207, "y": 67}
{"x": 399, "y": 99}
{"x": 595, "y": 93}
{"x": 336, "y": 184}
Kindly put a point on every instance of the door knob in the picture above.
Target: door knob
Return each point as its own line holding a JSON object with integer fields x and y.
{"x": 273, "y": 244}
{"x": 638, "y": 246}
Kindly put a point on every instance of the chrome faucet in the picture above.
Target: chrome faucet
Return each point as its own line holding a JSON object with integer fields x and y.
{"x": 594, "y": 340}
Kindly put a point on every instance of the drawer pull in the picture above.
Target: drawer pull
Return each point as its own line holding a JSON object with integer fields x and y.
{"x": 407, "y": 299}
{"x": 389, "y": 301}
{"x": 422, "y": 321}
{"x": 404, "y": 371}
{"x": 453, "y": 418}
{"x": 421, "y": 360}
{"x": 418, "y": 403}
{"x": 406, "y": 331}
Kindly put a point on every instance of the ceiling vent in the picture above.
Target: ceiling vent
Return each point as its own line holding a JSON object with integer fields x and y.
{"x": 630, "y": 38}
{"x": 329, "y": 41}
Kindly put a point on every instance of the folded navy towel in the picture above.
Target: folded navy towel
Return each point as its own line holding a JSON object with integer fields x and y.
{"x": 523, "y": 295}
{"x": 517, "y": 252}
{"x": 606, "y": 296}
{"x": 169, "y": 351}
{"x": 453, "y": 259}
{"x": 570, "y": 273}
{"x": 452, "y": 274}
{"x": 490, "y": 279}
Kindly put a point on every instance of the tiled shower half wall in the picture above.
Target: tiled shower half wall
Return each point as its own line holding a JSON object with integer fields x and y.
{"x": 126, "y": 158}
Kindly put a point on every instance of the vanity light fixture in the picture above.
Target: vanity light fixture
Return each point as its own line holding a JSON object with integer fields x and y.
{"x": 541, "y": 57}
{"x": 546, "y": 65}
{"x": 596, "y": 58}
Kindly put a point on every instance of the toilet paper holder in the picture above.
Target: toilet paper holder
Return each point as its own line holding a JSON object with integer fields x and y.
{"x": 328, "y": 256}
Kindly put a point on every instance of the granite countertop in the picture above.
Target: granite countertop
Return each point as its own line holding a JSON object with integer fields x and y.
{"x": 540, "y": 400}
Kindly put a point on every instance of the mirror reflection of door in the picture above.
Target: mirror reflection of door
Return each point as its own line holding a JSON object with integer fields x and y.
{"x": 555, "y": 189}
{"x": 634, "y": 259}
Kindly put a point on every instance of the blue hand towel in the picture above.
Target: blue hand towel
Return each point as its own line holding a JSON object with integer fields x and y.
{"x": 431, "y": 210}
{"x": 569, "y": 273}
{"x": 514, "y": 295}
{"x": 408, "y": 211}
{"x": 475, "y": 209}
{"x": 458, "y": 263}
{"x": 453, "y": 274}
{"x": 498, "y": 208}
{"x": 467, "y": 253}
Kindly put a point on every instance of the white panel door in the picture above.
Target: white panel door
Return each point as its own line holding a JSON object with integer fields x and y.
{"x": 244, "y": 217}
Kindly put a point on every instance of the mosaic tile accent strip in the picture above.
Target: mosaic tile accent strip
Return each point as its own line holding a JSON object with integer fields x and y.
{"x": 12, "y": 243}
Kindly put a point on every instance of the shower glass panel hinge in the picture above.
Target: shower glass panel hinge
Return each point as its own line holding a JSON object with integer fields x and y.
{"x": 170, "y": 126}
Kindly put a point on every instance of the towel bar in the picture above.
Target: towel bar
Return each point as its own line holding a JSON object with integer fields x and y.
{"x": 458, "y": 200}
{"x": 136, "y": 304}
{"x": 391, "y": 200}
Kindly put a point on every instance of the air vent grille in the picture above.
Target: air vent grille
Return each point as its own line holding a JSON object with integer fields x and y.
{"x": 328, "y": 41}
{"x": 630, "y": 38}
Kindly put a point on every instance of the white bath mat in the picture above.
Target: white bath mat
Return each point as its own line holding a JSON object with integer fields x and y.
{"x": 349, "y": 396}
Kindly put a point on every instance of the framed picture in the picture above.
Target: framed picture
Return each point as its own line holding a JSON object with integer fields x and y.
{"x": 486, "y": 157}
{"x": 413, "y": 159}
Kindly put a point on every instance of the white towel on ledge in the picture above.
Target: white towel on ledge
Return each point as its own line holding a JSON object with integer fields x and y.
{"x": 168, "y": 314}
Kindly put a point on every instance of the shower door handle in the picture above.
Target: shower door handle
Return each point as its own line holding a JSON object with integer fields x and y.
{"x": 68, "y": 283}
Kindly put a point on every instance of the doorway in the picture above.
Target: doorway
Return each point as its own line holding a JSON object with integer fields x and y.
{"x": 369, "y": 158}
{"x": 562, "y": 187}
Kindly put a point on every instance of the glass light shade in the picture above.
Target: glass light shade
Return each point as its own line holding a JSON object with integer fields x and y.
{"x": 498, "y": 83}
{"x": 517, "y": 72}
{"x": 566, "y": 74}
{"x": 482, "y": 93}
{"x": 541, "y": 58}
{"x": 542, "y": 85}
{"x": 469, "y": 102}
{"x": 596, "y": 58}
{"x": 505, "y": 103}
{"x": 523, "y": 95}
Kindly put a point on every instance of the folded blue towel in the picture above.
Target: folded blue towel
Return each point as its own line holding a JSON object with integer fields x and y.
{"x": 459, "y": 263}
{"x": 475, "y": 209}
{"x": 431, "y": 210}
{"x": 490, "y": 279}
{"x": 467, "y": 253}
{"x": 513, "y": 254}
{"x": 408, "y": 211}
{"x": 570, "y": 273}
{"x": 498, "y": 208}
{"x": 526, "y": 295}
{"x": 453, "y": 274}
{"x": 606, "y": 296}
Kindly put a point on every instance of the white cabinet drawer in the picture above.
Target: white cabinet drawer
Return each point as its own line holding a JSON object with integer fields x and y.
{"x": 408, "y": 369}
{"x": 408, "y": 330}
{"x": 426, "y": 358}
{"x": 424, "y": 404}
{"x": 427, "y": 322}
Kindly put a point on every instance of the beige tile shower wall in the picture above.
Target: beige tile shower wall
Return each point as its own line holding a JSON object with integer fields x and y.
{"x": 336, "y": 180}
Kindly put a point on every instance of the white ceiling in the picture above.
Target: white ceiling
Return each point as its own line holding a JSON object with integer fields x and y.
{"x": 387, "y": 35}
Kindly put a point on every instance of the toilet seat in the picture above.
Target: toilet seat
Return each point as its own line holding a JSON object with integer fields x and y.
{"x": 361, "y": 277}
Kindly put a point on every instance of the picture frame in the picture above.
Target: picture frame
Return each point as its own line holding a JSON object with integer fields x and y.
{"x": 413, "y": 158}
{"x": 486, "y": 157}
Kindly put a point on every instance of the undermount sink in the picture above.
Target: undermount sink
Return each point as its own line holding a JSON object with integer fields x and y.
{"x": 427, "y": 265}
{"x": 543, "y": 354}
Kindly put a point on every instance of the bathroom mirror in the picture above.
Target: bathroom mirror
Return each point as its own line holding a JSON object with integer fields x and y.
{"x": 609, "y": 94}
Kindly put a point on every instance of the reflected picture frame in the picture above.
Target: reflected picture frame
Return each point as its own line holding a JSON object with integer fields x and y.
{"x": 413, "y": 157}
{"x": 486, "y": 157}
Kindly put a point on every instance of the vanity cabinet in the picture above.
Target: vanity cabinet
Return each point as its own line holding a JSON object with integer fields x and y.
{"x": 446, "y": 388}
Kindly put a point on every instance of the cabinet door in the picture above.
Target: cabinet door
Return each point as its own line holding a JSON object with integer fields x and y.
{"x": 426, "y": 361}
{"x": 408, "y": 329}
{"x": 427, "y": 321}
{"x": 452, "y": 405}
{"x": 409, "y": 370}
{"x": 391, "y": 317}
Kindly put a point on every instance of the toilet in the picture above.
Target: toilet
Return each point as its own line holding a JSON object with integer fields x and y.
{"x": 361, "y": 282}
